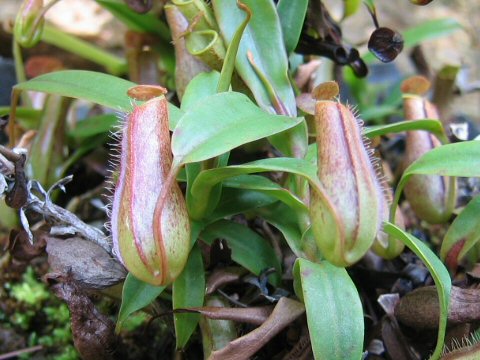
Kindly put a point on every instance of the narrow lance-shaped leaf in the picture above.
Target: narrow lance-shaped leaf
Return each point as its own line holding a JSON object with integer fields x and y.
{"x": 232, "y": 50}
{"x": 437, "y": 270}
{"x": 248, "y": 248}
{"x": 188, "y": 291}
{"x": 200, "y": 87}
{"x": 434, "y": 126}
{"x": 263, "y": 38}
{"x": 136, "y": 295}
{"x": 99, "y": 88}
{"x": 292, "y": 15}
{"x": 142, "y": 23}
{"x": 202, "y": 134}
{"x": 284, "y": 219}
{"x": 94, "y": 125}
{"x": 47, "y": 153}
{"x": 236, "y": 201}
{"x": 462, "y": 235}
{"x": 264, "y": 184}
{"x": 334, "y": 310}
{"x": 87, "y": 50}
{"x": 459, "y": 159}
{"x": 207, "y": 179}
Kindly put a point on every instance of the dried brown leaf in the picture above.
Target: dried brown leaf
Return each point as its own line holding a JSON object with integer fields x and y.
{"x": 394, "y": 341}
{"x": 93, "y": 332}
{"x": 85, "y": 262}
{"x": 306, "y": 103}
{"x": 223, "y": 276}
{"x": 20, "y": 247}
{"x": 250, "y": 315}
{"x": 286, "y": 311}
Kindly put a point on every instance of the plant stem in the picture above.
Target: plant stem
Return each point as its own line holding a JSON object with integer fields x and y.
{"x": 20, "y": 71}
{"x": 114, "y": 64}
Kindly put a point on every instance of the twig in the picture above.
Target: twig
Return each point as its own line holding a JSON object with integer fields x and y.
{"x": 20, "y": 352}
{"x": 60, "y": 216}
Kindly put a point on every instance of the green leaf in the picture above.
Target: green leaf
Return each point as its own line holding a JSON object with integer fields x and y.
{"x": 46, "y": 155}
{"x": 463, "y": 234}
{"x": 204, "y": 182}
{"x": 293, "y": 142}
{"x": 429, "y": 30}
{"x": 434, "y": 126}
{"x": 439, "y": 274}
{"x": 376, "y": 111}
{"x": 249, "y": 249}
{"x": 145, "y": 23}
{"x": 263, "y": 38}
{"x": 350, "y": 7}
{"x": 265, "y": 206}
{"x": 285, "y": 220}
{"x": 220, "y": 123}
{"x": 188, "y": 291}
{"x": 94, "y": 125}
{"x": 199, "y": 88}
{"x": 426, "y": 30}
{"x": 263, "y": 184}
{"x": 148, "y": 23}
{"x": 459, "y": 159}
{"x": 334, "y": 310}
{"x": 136, "y": 294}
{"x": 86, "y": 50}
{"x": 235, "y": 201}
{"x": 99, "y": 88}
{"x": 82, "y": 149}
{"x": 370, "y": 4}
{"x": 22, "y": 112}
{"x": 292, "y": 15}
{"x": 231, "y": 56}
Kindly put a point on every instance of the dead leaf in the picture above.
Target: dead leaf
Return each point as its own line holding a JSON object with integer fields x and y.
{"x": 87, "y": 263}
{"x": 250, "y": 315}
{"x": 223, "y": 276}
{"x": 93, "y": 332}
{"x": 286, "y": 311}
{"x": 306, "y": 103}
{"x": 395, "y": 342}
{"x": 20, "y": 247}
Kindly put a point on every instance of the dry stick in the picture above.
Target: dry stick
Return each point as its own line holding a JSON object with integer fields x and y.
{"x": 63, "y": 216}
{"x": 20, "y": 352}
